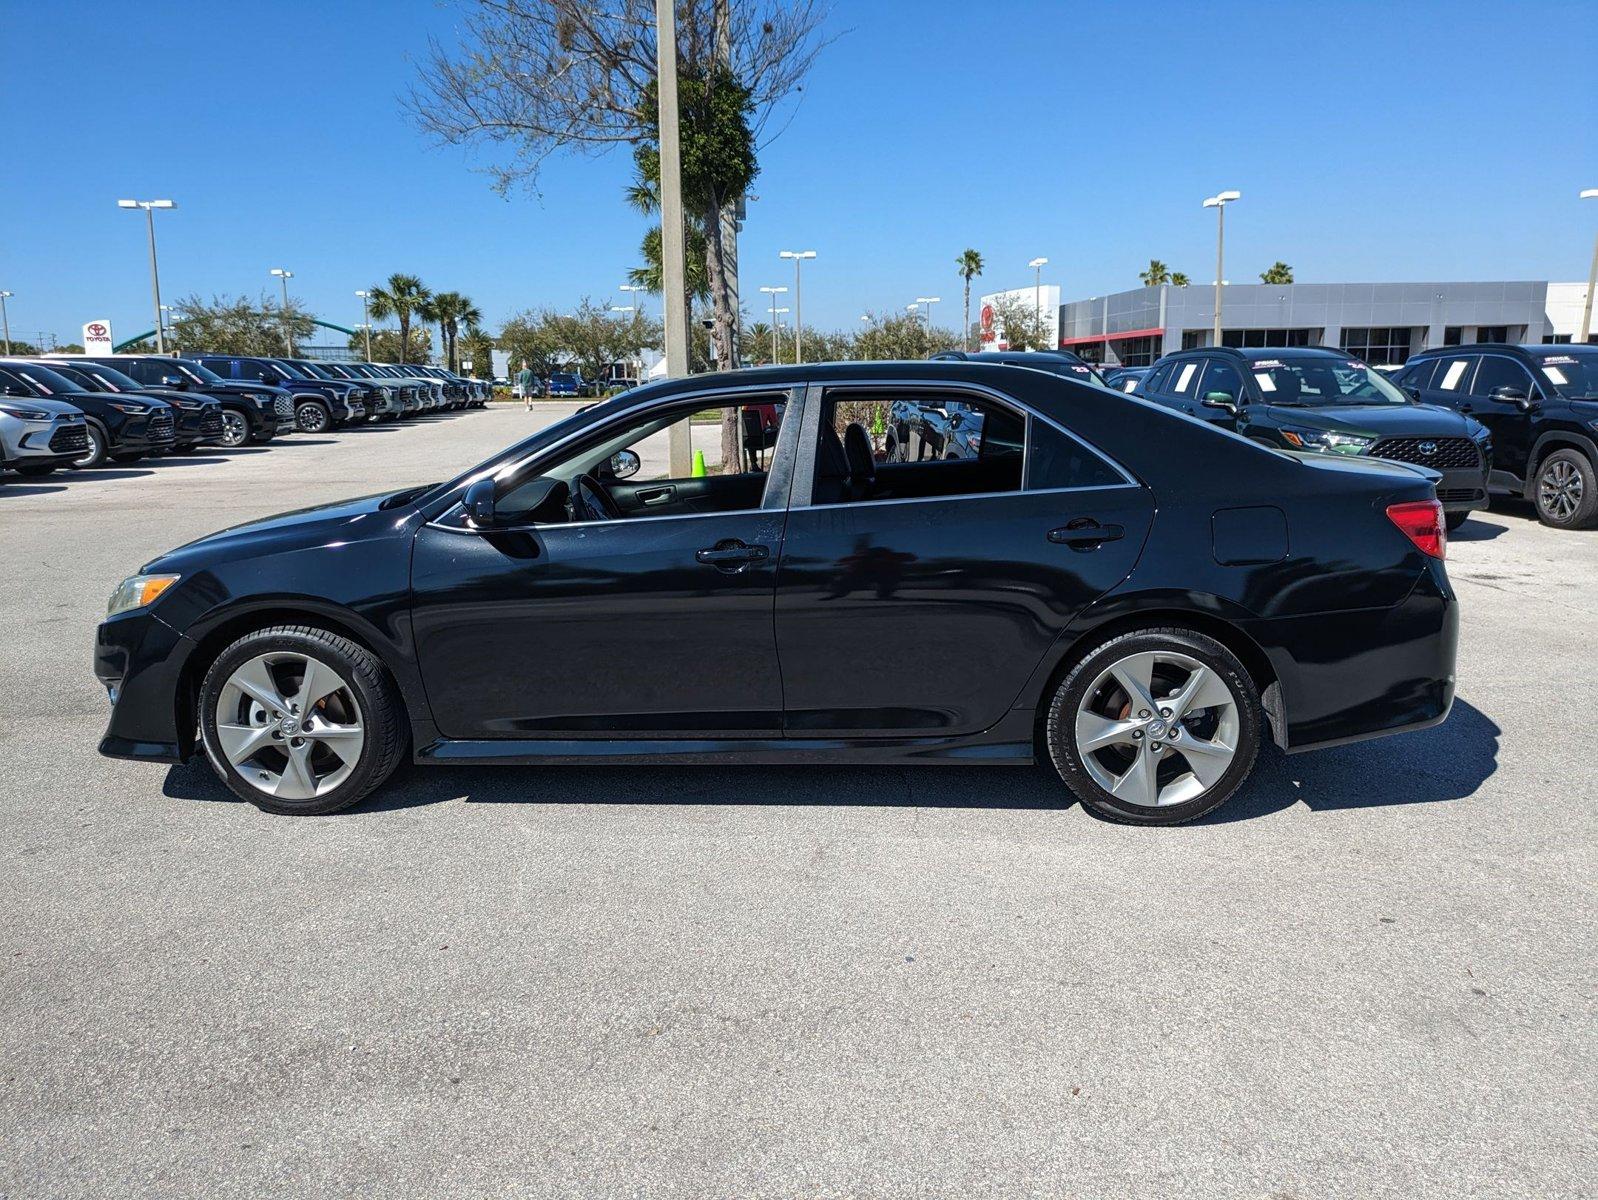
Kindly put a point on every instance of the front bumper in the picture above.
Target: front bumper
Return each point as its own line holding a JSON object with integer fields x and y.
{"x": 140, "y": 660}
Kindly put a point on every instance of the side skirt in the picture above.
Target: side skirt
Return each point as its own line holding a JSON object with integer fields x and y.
{"x": 775, "y": 751}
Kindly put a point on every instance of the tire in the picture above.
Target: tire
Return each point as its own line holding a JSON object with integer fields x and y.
{"x": 94, "y": 456}
{"x": 1455, "y": 519}
{"x": 1566, "y": 491}
{"x": 312, "y": 417}
{"x": 235, "y": 428}
{"x": 1163, "y": 785}
{"x": 275, "y": 763}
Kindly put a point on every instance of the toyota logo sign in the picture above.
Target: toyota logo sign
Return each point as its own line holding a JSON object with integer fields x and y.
{"x": 1428, "y": 448}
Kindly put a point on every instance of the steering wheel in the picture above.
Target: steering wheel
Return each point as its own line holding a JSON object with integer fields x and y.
{"x": 590, "y": 501}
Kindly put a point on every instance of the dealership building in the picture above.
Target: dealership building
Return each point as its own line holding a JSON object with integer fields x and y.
{"x": 1382, "y": 323}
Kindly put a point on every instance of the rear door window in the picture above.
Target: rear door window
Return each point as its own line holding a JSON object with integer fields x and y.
{"x": 1184, "y": 381}
{"x": 1453, "y": 375}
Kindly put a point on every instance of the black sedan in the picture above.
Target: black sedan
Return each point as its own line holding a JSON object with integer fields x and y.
{"x": 1076, "y": 591}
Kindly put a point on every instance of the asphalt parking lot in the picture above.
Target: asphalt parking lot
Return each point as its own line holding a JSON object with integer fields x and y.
{"x": 1371, "y": 974}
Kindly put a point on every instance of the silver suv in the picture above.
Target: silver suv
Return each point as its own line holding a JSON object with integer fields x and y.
{"x": 39, "y": 435}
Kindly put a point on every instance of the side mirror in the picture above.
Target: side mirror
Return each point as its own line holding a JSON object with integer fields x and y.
{"x": 172, "y": 381}
{"x": 479, "y": 504}
{"x": 624, "y": 464}
{"x": 1224, "y": 401}
{"x": 1511, "y": 395}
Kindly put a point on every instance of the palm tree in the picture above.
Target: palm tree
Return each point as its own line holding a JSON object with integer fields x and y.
{"x": 1155, "y": 275}
{"x": 404, "y": 297}
{"x": 453, "y": 312}
{"x": 970, "y": 264}
{"x": 1178, "y": 279}
{"x": 1277, "y": 272}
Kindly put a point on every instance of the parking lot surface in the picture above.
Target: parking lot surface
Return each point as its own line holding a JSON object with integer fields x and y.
{"x": 1370, "y": 974}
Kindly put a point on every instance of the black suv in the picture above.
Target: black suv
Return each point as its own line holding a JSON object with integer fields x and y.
{"x": 1057, "y": 362}
{"x": 250, "y": 412}
{"x": 319, "y": 404}
{"x": 199, "y": 418}
{"x": 124, "y": 428}
{"x": 1325, "y": 401}
{"x": 1541, "y": 403}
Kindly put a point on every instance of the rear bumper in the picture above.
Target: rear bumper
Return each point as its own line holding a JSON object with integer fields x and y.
{"x": 1401, "y": 679}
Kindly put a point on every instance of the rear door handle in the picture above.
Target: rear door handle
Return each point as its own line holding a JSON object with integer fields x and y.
{"x": 1085, "y": 533}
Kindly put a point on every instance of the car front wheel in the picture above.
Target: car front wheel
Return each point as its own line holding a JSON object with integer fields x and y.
{"x": 235, "y": 429}
{"x": 1155, "y": 727}
{"x": 1567, "y": 490}
{"x": 312, "y": 418}
{"x": 298, "y": 720}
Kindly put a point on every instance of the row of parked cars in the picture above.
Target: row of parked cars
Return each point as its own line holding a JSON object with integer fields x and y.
{"x": 1492, "y": 420}
{"x": 84, "y": 410}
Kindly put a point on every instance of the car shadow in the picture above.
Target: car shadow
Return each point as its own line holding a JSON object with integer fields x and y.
{"x": 1430, "y": 766}
{"x": 110, "y": 472}
{"x": 9, "y": 487}
{"x": 1477, "y": 531}
{"x": 300, "y": 439}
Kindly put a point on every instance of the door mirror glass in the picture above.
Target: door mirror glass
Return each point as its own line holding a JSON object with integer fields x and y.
{"x": 479, "y": 504}
{"x": 1511, "y": 395}
{"x": 624, "y": 464}
{"x": 172, "y": 381}
{"x": 1224, "y": 401}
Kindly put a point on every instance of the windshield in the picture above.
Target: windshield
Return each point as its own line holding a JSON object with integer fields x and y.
{"x": 43, "y": 380}
{"x": 1322, "y": 381}
{"x": 193, "y": 371}
{"x": 563, "y": 377}
{"x": 312, "y": 371}
{"x": 112, "y": 379}
{"x": 1573, "y": 374}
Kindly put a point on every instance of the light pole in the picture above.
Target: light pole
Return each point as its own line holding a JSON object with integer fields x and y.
{"x": 5, "y": 319}
{"x": 777, "y": 314}
{"x": 1218, "y": 202}
{"x": 634, "y": 288}
{"x": 929, "y": 301}
{"x": 1037, "y": 265}
{"x": 914, "y": 310}
{"x": 1592, "y": 277}
{"x": 283, "y": 278}
{"x": 774, "y": 292}
{"x": 149, "y": 207}
{"x": 366, "y": 321}
{"x": 798, "y": 257}
{"x": 166, "y": 317}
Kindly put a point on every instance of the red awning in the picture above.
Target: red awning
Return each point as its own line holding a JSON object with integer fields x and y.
{"x": 1112, "y": 337}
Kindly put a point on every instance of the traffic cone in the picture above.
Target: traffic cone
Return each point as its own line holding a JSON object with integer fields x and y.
{"x": 699, "y": 471}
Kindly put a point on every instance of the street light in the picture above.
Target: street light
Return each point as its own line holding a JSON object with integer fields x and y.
{"x": 774, "y": 292}
{"x": 1037, "y": 265}
{"x": 929, "y": 301}
{"x": 366, "y": 318}
{"x": 622, "y": 308}
{"x": 798, "y": 257}
{"x": 149, "y": 207}
{"x": 1218, "y": 202}
{"x": 5, "y": 319}
{"x": 283, "y": 277}
{"x": 777, "y": 314}
{"x": 637, "y": 300}
{"x": 1592, "y": 277}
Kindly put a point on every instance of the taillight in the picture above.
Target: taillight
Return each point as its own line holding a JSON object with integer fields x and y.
{"x": 1422, "y": 523}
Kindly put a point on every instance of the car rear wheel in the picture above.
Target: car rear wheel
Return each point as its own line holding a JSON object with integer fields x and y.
{"x": 235, "y": 429}
{"x": 1155, "y": 727}
{"x": 1567, "y": 490}
{"x": 297, "y": 720}
{"x": 312, "y": 418}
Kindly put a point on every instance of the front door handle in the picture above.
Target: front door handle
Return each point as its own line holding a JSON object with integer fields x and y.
{"x": 731, "y": 554}
{"x": 657, "y": 495}
{"x": 1085, "y": 533}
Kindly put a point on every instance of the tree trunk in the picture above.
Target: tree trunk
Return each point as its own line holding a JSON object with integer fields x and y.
{"x": 965, "y": 330}
{"x": 405, "y": 336}
{"x": 721, "y": 335}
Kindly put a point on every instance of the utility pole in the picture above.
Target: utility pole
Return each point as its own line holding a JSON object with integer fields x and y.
{"x": 674, "y": 281}
{"x": 1592, "y": 278}
{"x": 5, "y": 320}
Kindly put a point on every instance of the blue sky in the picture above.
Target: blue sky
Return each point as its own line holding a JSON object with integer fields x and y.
{"x": 1370, "y": 142}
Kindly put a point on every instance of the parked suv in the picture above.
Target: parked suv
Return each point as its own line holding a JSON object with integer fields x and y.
{"x": 565, "y": 383}
{"x": 1328, "y": 402}
{"x": 380, "y": 402}
{"x": 402, "y": 399}
{"x": 250, "y": 412}
{"x": 319, "y": 404}
{"x": 199, "y": 418}
{"x": 124, "y": 428}
{"x": 37, "y": 435}
{"x": 1541, "y": 404}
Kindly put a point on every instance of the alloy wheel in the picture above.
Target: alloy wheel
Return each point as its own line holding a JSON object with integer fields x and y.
{"x": 95, "y": 453}
{"x": 1559, "y": 490}
{"x": 290, "y": 725}
{"x": 235, "y": 429}
{"x": 1157, "y": 729}
{"x": 310, "y": 418}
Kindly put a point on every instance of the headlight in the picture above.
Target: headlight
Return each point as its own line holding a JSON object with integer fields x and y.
{"x": 138, "y": 591}
{"x": 23, "y": 413}
{"x": 1328, "y": 443}
{"x": 134, "y": 409}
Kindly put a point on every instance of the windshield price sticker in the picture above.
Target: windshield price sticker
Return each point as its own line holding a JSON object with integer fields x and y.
{"x": 1268, "y": 364}
{"x": 1564, "y": 360}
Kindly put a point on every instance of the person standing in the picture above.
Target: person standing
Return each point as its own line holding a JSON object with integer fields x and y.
{"x": 524, "y": 385}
